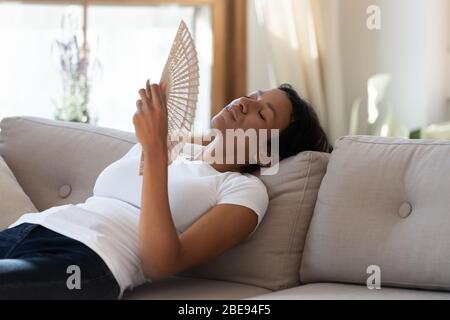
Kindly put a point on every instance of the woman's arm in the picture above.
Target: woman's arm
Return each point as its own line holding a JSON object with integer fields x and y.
{"x": 216, "y": 231}
{"x": 158, "y": 241}
{"x": 162, "y": 251}
{"x": 219, "y": 229}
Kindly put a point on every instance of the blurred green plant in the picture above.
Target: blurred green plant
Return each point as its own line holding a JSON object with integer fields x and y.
{"x": 415, "y": 134}
{"x": 77, "y": 69}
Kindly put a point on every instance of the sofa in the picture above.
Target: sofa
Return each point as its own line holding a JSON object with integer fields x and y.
{"x": 369, "y": 221}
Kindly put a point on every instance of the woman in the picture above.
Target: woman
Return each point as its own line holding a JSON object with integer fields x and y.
{"x": 141, "y": 228}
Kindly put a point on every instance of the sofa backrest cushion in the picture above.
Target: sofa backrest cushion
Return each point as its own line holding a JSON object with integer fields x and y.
{"x": 383, "y": 203}
{"x": 271, "y": 257}
{"x": 14, "y": 202}
{"x": 58, "y": 162}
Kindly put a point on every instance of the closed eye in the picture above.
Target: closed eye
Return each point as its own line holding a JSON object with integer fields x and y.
{"x": 261, "y": 115}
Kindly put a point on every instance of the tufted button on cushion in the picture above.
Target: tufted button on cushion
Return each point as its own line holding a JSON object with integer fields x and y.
{"x": 382, "y": 201}
{"x": 405, "y": 210}
{"x": 64, "y": 191}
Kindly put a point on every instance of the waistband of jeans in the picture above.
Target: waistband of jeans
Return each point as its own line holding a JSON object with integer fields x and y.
{"x": 26, "y": 227}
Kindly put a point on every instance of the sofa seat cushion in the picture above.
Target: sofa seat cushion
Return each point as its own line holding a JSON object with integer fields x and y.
{"x": 383, "y": 211}
{"x": 184, "y": 288}
{"x": 335, "y": 291}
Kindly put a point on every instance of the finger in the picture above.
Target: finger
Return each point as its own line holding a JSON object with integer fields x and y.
{"x": 147, "y": 87}
{"x": 144, "y": 98}
{"x": 163, "y": 87}
{"x": 156, "y": 95}
{"x": 139, "y": 105}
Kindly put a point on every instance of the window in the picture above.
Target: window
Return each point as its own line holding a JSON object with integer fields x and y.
{"x": 28, "y": 77}
{"x": 131, "y": 40}
{"x": 134, "y": 43}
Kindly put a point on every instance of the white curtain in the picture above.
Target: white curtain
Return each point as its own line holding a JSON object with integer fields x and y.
{"x": 302, "y": 39}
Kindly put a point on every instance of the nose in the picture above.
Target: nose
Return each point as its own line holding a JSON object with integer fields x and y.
{"x": 244, "y": 104}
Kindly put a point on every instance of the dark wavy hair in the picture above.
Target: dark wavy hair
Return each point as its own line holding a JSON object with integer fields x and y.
{"x": 305, "y": 132}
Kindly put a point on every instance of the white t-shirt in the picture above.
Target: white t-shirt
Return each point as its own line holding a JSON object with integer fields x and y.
{"x": 108, "y": 221}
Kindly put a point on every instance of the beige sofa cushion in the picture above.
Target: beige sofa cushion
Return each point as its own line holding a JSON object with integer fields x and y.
{"x": 338, "y": 291}
{"x": 185, "y": 288}
{"x": 14, "y": 202}
{"x": 270, "y": 258}
{"x": 57, "y": 162}
{"x": 383, "y": 202}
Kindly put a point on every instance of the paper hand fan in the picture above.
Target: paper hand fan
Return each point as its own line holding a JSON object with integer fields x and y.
{"x": 179, "y": 82}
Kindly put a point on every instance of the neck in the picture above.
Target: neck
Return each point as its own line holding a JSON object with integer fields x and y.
{"x": 208, "y": 154}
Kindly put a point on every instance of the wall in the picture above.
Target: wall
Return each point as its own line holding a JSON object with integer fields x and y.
{"x": 448, "y": 66}
{"x": 412, "y": 46}
{"x": 258, "y": 75}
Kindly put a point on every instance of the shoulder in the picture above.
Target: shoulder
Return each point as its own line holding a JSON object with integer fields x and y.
{"x": 244, "y": 189}
{"x": 246, "y": 180}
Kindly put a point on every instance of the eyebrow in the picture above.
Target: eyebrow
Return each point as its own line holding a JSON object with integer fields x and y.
{"x": 270, "y": 105}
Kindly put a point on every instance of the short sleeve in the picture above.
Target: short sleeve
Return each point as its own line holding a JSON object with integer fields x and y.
{"x": 245, "y": 190}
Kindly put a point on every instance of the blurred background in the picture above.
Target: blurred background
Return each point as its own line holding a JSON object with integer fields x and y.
{"x": 377, "y": 67}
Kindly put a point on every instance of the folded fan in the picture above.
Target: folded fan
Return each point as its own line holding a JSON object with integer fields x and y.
{"x": 180, "y": 82}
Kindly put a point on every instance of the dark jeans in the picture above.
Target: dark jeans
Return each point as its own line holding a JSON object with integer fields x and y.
{"x": 37, "y": 263}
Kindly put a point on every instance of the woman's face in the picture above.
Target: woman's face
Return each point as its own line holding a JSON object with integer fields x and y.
{"x": 267, "y": 109}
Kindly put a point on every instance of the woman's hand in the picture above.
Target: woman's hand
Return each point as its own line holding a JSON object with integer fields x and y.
{"x": 150, "y": 120}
